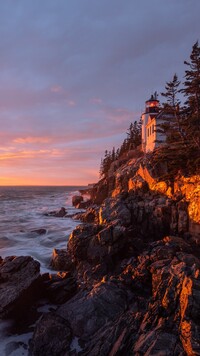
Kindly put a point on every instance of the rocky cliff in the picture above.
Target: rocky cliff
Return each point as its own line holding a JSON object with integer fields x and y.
{"x": 150, "y": 198}
{"x": 129, "y": 281}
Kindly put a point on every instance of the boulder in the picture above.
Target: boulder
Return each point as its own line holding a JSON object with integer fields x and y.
{"x": 52, "y": 336}
{"x": 77, "y": 199}
{"x": 79, "y": 241}
{"x": 61, "y": 260}
{"x": 91, "y": 215}
{"x": 100, "y": 191}
{"x": 58, "y": 214}
{"x": 83, "y": 204}
{"x": 88, "y": 311}
{"x": 60, "y": 287}
{"x": 61, "y": 213}
{"x": 115, "y": 209}
{"x": 40, "y": 231}
{"x": 18, "y": 276}
{"x": 115, "y": 338}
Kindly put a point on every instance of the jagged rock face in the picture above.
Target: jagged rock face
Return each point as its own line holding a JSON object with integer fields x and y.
{"x": 76, "y": 199}
{"x": 148, "y": 217}
{"x": 100, "y": 191}
{"x": 176, "y": 294}
{"x": 59, "y": 287}
{"x": 150, "y": 308}
{"x": 90, "y": 216}
{"x": 88, "y": 312}
{"x": 190, "y": 188}
{"x": 114, "y": 209}
{"x": 26, "y": 271}
{"x": 96, "y": 243}
{"x": 81, "y": 238}
{"x": 61, "y": 260}
{"x": 134, "y": 269}
{"x": 137, "y": 177}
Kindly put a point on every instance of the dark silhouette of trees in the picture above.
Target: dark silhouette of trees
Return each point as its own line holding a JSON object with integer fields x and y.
{"x": 181, "y": 124}
{"x": 172, "y": 120}
{"x": 191, "y": 92}
{"x": 132, "y": 140}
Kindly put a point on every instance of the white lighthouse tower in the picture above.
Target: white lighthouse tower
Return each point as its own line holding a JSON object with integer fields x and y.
{"x": 149, "y": 123}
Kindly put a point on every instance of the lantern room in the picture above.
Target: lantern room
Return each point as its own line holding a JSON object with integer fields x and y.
{"x": 152, "y": 105}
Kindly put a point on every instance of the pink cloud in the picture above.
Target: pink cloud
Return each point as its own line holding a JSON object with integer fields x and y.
{"x": 23, "y": 154}
{"x": 29, "y": 139}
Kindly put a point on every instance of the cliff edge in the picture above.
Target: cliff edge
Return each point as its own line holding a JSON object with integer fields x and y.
{"x": 128, "y": 282}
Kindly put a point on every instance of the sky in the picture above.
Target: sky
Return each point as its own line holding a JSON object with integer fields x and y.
{"x": 75, "y": 73}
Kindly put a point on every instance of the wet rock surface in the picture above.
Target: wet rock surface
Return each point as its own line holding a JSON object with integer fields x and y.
{"x": 76, "y": 200}
{"x": 18, "y": 276}
{"x": 60, "y": 287}
{"x": 61, "y": 260}
{"x": 147, "y": 304}
{"x": 40, "y": 231}
{"x": 58, "y": 214}
{"x": 88, "y": 311}
{"x": 52, "y": 336}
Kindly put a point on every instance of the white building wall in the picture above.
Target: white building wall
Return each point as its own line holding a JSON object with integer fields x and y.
{"x": 151, "y": 135}
{"x": 144, "y": 123}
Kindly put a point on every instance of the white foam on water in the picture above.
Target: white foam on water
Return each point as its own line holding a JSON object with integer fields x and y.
{"x": 22, "y": 213}
{"x": 22, "y": 210}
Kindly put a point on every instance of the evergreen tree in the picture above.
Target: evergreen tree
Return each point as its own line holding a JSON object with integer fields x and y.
{"x": 192, "y": 93}
{"x": 109, "y": 157}
{"x": 134, "y": 135}
{"x": 172, "y": 89}
{"x": 182, "y": 125}
{"x": 172, "y": 125}
{"x": 113, "y": 156}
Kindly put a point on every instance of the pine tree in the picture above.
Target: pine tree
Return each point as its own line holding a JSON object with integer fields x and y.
{"x": 113, "y": 156}
{"x": 109, "y": 157}
{"x": 192, "y": 93}
{"x": 182, "y": 126}
{"x": 172, "y": 125}
{"x": 172, "y": 89}
{"x": 134, "y": 135}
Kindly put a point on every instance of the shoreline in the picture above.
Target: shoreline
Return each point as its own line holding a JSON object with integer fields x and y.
{"x": 121, "y": 283}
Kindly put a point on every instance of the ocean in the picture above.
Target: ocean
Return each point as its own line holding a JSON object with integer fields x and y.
{"x": 23, "y": 210}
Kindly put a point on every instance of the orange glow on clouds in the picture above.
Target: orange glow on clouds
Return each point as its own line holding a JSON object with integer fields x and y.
{"x": 32, "y": 140}
{"x": 68, "y": 154}
{"x": 50, "y": 166}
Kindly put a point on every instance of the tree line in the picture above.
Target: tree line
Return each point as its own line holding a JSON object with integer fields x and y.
{"x": 132, "y": 140}
{"x": 181, "y": 126}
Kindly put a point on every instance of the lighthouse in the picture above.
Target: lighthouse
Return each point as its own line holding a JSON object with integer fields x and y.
{"x": 149, "y": 123}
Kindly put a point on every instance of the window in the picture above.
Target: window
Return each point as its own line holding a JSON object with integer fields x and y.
{"x": 153, "y": 128}
{"x": 150, "y": 130}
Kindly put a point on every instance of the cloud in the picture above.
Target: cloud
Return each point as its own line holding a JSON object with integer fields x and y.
{"x": 29, "y": 139}
{"x": 74, "y": 75}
